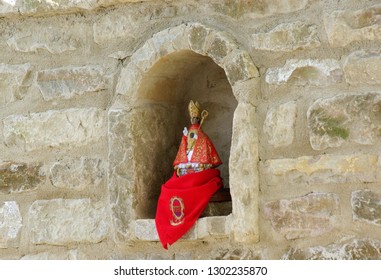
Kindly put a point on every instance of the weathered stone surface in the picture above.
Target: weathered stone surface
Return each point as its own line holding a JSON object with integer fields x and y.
{"x": 77, "y": 174}
{"x": 234, "y": 254}
{"x": 75, "y": 127}
{"x": 287, "y": 37}
{"x": 306, "y": 72}
{"x": 366, "y": 206}
{"x": 345, "y": 118}
{"x": 19, "y": 177}
{"x": 145, "y": 229}
{"x": 68, "y": 82}
{"x": 62, "y": 221}
{"x": 10, "y": 224}
{"x": 121, "y": 187}
{"x": 345, "y": 27}
{"x": 111, "y": 27}
{"x": 37, "y": 7}
{"x": 244, "y": 174}
{"x": 306, "y": 216}
{"x": 68, "y": 255}
{"x": 239, "y": 67}
{"x": 324, "y": 169}
{"x": 13, "y": 82}
{"x": 255, "y": 8}
{"x": 57, "y": 38}
{"x": 279, "y": 125}
{"x": 363, "y": 67}
{"x": 355, "y": 249}
{"x": 213, "y": 226}
{"x": 7, "y": 6}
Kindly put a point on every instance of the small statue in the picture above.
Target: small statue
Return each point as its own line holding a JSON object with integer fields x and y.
{"x": 196, "y": 152}
{"x": 195, "y": 179}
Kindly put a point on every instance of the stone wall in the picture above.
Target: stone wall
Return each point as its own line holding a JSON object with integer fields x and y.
{"x": 93, "y": 99}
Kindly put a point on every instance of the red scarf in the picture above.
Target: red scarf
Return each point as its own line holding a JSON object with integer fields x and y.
{"x": 181, "y": 202}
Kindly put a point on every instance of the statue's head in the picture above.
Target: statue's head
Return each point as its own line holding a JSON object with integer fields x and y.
{"x": 197, "y": 115}
{"x": 194, "y": 109}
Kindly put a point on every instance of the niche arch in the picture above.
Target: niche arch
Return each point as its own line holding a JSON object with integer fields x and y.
{"x": 143, "y": 116}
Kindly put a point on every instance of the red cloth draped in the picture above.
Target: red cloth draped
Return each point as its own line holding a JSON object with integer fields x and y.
{"x": 181, "y": 202}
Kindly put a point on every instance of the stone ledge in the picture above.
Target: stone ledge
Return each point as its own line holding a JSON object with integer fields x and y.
{"x": 215, "y": 227}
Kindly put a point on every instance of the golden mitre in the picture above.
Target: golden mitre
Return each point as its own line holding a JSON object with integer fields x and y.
{"x": 194, "y": 109}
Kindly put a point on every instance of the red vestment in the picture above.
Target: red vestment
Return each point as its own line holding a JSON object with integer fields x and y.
{"x": 184, "y": 198}
{"x": 204, "y": 151}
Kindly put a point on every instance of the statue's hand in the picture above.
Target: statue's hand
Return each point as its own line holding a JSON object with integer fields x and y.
{"x": 185, "y": 131}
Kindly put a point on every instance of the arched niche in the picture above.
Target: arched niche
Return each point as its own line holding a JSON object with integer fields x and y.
{"x": 186, "y": 62}
{"x": 161, "y": 110}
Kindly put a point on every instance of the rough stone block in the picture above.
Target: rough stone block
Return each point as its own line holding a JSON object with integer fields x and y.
{"x": 307, "y": 216}
{"x": 145, "y": 229}
{"x": 59, "y": 37}
{"x": 366, "y": 206}
{"x": 279, "y": 125}
{"x": 63, "y": 221}
{"x": 355, "y": 249}
{"x": 68, "y": 82}
{"x": 346, "y": 26}
{"x": 10, "y": 224}
{"x": 212, "y": 227}
{"x": 324, "y": 169}
{"x": 113, "y": 26}
{"x": 197, "y": 36}
{"x": 363, "y": 68}
{"x": 255, "y": 8}
{"x": 239, "y": 67}
{"x": 306, "y": 72}
{"x": 13, "y": 82}
{"x": 74, "y": 127}
{"x": 19, "y": 177}
{"x": 287, "y": 37}
{"x": 77, "y": 174}
{"x": 244, "y": 175}
{"x": 345, "y": 119}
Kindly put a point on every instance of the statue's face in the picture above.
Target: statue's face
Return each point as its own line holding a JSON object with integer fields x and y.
{"x": 191, "y": 138}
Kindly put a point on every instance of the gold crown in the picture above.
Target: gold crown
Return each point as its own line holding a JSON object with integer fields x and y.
{"x": 194, "y": 109}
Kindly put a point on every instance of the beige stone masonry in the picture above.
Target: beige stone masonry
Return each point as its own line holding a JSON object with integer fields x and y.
{"x": 16, "y": 177}
{"x": 349, "y": 249}
{"x": 324, "y": 169}
{"x": 77, "y": 173}
{"x": 256, "y": 8}
{"x": 306, "y": 72}
{"x": 279, "y": 125}
{"x": 62, "y": 221}
{"x": 366, "y": 206}
{"x": 307, "y": 216}
{"x": 363, "y": 67}
{"x": 287, "y": 37}
{"x": 345, "y": 119}
{"x": 56, "y": 38}
{"x": 346, "y": 26}
{"x": 10, "y": 224}
{"x": 68, "y": 82}
{"x": 76, "y": 127}
{"x": 13, "y": 82}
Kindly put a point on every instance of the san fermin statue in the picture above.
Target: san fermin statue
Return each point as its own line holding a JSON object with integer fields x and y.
{"x": 195, "y": 179}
